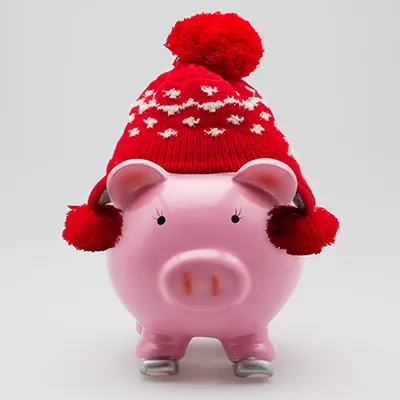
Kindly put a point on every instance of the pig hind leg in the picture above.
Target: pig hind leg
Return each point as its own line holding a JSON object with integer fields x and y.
{"x": 251, "y": 355}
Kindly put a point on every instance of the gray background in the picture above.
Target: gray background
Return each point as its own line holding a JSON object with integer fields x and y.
{"x": 70, "y": 70}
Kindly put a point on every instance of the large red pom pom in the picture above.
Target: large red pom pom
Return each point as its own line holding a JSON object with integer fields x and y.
{"x": 290, "y": 229}
{"x": 223, "y": 43}
{"x": 96, "y": 228}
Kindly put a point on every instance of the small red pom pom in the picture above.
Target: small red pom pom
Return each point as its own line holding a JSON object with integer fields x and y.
{"x": 223, "y": 43}
{"x": 96, "y": 228}
{"x": 290, "y": 229}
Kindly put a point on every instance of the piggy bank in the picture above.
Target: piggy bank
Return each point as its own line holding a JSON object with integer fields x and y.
{"x": 203, "y": 209}
{"x": 194, "y": 260}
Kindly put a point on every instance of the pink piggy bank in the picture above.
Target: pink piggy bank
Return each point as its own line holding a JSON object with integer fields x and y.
{"x": 194, "y": 260}
{"x": 203, "y": 208}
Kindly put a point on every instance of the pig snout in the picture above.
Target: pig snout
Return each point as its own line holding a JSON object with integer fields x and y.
{"x": 204, "y": 279}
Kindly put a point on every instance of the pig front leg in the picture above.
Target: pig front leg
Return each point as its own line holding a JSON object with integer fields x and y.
{"x": 160, "y": 354}
{"x": 251, "y": 355}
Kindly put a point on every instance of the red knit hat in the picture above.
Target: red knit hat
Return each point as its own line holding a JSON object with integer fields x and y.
{"x": 201, "y": 117}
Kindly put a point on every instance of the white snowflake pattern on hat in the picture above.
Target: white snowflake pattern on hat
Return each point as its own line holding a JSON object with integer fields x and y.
{"x": 191, "y": 121}
{"x": 134, "y": 132}
{"x": 213, "y": 132}
{"x": 257, "y": 129}
{"x": 172, "y": 93}
{"x": 235, "y": 119}
{"x": 265, "y": 116}
{"x": 209, "y": 90}
{"x": 168, "y": 133}
{"x": 212, "y": 106}
{"x": 150, "y": 122}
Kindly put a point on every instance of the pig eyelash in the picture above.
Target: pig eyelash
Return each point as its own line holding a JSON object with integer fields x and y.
{"x": 158, "y": 214}
{"x": 238, "y": 213}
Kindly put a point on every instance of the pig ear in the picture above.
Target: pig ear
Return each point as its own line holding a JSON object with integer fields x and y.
{"x": 270, "y": 175}
{"x": 129, "y": 176}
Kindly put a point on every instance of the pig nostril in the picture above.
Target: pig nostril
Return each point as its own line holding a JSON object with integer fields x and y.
{"x": 215, "y": 285}
{"x": 187, "y": 283}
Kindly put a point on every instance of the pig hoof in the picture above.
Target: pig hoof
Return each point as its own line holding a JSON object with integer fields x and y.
{"x": 253, "y": 368}
{"x": 161, "y": 367}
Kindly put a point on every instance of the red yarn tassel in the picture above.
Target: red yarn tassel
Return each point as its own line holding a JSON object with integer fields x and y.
{"x": 93, "y": 228}
{"x": 299, "y": 233}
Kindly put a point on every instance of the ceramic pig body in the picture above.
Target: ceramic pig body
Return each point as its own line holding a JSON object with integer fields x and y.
{"x": 194, "y": 260}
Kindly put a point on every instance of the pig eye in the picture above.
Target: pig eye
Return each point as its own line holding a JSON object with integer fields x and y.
{"x": 236, "y": 217}
{"x": 160, "y": 218}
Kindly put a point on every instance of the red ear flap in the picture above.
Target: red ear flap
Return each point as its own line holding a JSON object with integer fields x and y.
{"x": 96, "y": 225}
{"x": 302, "y": 229}
{"x": 270, "y": 175}
{"x": 130, "y": 176}
{"x": 300, "y": 233}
